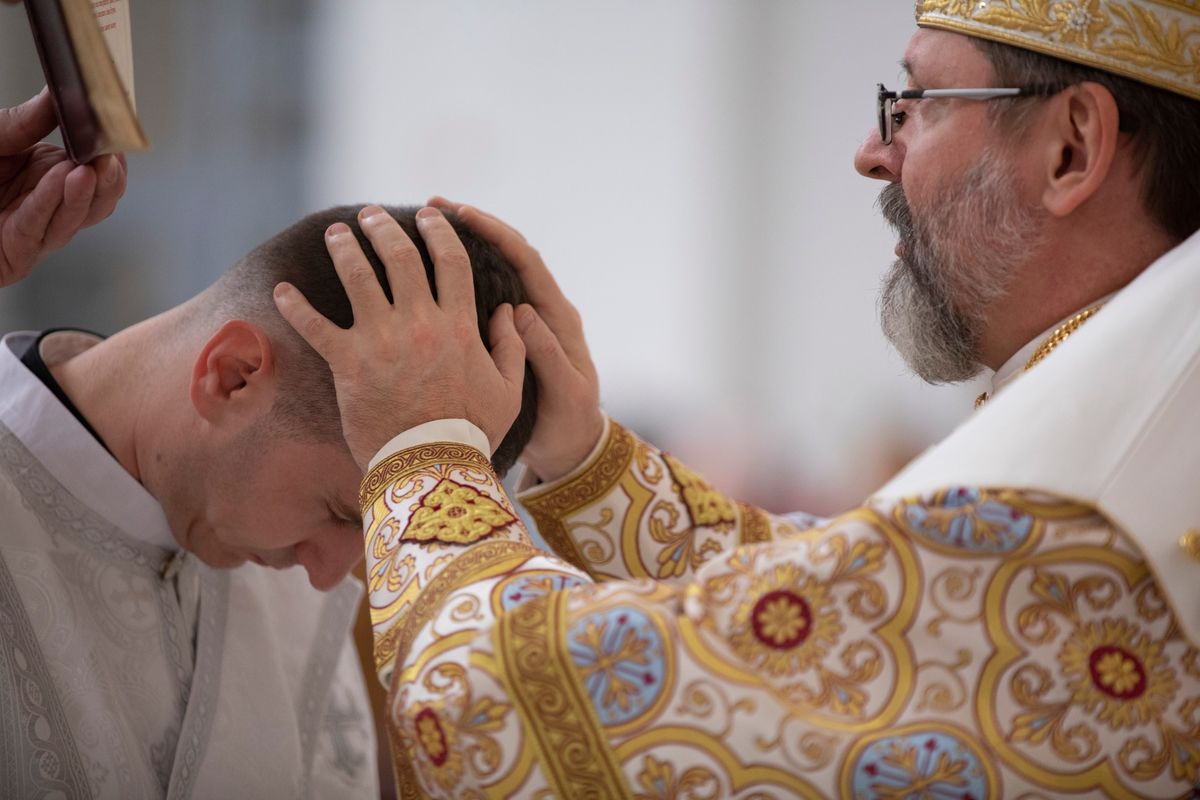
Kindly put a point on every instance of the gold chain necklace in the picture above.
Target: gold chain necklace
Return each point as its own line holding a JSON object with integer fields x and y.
{"x": 1056, "y": 337}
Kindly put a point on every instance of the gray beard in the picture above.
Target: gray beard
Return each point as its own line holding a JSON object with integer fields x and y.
{"x": 957, "y": 260}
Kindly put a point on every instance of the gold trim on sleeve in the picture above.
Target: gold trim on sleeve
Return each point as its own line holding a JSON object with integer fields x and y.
{"x": 550, "y": 507}
{"x": 400, "y": 466}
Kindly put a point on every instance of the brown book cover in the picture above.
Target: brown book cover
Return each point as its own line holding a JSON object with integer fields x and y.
{"x": 94, "y": 104}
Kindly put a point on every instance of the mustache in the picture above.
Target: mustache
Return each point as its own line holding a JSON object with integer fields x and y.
{"x": 893, "y": 205}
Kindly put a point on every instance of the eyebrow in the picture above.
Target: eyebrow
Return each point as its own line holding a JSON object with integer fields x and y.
{"x": 908, "y": 67}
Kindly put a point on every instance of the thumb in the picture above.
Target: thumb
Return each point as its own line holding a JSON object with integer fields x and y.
{"x": 508, "y": 351}
{"x": 25, "y": 125}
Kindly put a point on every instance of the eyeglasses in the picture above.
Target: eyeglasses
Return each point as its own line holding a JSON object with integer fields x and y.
{"x": 889, "y": 119}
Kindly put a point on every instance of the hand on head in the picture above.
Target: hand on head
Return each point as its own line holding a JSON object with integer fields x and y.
{"x": 569, "y": 421}
{"x": 45, "y": 199}
{"x": 415, "y": 359}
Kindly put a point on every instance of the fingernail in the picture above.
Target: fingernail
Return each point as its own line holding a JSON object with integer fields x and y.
{"x": 111, "y": 171}
{"x": 370, "y": 213}
{"x": 427, "y": 213}
{"x": 282, "y": 290}
{"x": 337, "y": 229}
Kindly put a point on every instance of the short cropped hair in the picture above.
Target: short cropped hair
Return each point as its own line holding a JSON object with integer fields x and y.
{"x": 1163, "y": 124}
{"x": 307, "y": 402}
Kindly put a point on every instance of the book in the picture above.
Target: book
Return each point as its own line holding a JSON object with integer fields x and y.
{"x": 86, "y": 49}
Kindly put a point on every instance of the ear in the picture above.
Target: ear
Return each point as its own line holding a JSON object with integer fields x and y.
{"x": 234, "y": 375}
{"x": 1081, "y": 145}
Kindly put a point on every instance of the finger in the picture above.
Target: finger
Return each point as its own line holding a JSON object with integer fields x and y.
{"x": 508, "y": 351}
{"x": 25, "y": 230}
{"x": 355, "y": 272}
{"x": 451, "y": 265}
{"x": 111, "y": 172}
{"x": 310, "y": 324}
{"x": 27, "y": 124}
{"x": 79, "y": 187}
{"x": 543, "y": 289}
{"x": 545, "y": 353}
{"x": 401, "y": 260}
{"x": 457, "y": 208}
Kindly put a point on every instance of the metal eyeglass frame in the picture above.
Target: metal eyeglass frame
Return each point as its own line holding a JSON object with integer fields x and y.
{"x": 886, "y": 99}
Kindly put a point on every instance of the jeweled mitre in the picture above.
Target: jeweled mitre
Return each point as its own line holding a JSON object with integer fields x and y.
{"x": 1153, "y": 41}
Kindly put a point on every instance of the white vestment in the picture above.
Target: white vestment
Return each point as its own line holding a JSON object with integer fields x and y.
{"x": 129, "y": 669}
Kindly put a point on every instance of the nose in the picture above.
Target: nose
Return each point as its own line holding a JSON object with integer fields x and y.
{"x": 875, "y": 159}
{"x": 329, "y": 558}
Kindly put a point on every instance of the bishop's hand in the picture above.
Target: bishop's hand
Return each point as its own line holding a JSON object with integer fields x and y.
{"x": 45, "y": 199}
{"x": 569, "y": 422}
{"x": 415, "y": 359}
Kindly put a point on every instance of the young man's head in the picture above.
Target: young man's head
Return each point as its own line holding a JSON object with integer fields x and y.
{"x": 274, "y": 481}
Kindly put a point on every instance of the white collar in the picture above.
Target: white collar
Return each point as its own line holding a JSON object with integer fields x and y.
{"x": 1109, "y": 419}
{"x": 1015, "y": 366}
{"x": 72, "y": 455}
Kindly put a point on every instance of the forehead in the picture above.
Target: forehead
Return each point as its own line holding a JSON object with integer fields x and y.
{"x": 941, "y": 59}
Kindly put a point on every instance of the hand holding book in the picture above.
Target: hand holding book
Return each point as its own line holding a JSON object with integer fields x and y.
{"x": 45, "y": 198}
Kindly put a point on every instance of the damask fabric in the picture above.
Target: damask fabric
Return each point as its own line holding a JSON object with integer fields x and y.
{"x": 128, "y": 669}
{"x": 966, "y": 643}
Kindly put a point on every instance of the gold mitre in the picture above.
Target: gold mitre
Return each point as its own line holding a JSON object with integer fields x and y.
{"x": 1152, "y": 41}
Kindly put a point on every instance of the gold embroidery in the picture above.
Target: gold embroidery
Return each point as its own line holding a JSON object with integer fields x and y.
{"x": 705, "y": 505}
{"x": 756, "y": 525}
{"x": 454, "y": 513}
{"x": 657, "y": 781}
{"x": 480, "y": 562}
{"x": 395, "y": 469}
{"x": 597, "y": 480}
{"x": 1152, "y": 41}
{"x": 536, "y": 669}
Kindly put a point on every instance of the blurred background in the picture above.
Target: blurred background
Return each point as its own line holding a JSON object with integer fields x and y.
{"x": 684, "y": 166}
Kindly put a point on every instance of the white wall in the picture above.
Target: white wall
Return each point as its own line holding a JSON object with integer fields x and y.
{"x": 685, "y": 168}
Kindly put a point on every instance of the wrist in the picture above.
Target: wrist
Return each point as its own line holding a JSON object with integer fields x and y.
{"x": 566, "y": 459}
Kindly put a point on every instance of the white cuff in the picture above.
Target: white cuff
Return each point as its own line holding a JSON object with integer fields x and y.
{"x": 460, "y": 431}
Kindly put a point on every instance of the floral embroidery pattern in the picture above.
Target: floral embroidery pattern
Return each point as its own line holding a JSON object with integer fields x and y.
{"x": 1123, "y": 679}
{"x": 438, "y": 759}
{"x": 657, "y": 781}
{"x": 967, "y": 520}
{"x": 521, "y": 588}
{"x": 936, "y": 762}
{"x": 620, "y": 657}
{"x": 457, "y": 735}
{"x": 453, "y": 513}
{"x": 788, "y": 622}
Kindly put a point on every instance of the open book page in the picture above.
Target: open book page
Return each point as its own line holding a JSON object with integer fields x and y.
{"x": 113, "y": 17}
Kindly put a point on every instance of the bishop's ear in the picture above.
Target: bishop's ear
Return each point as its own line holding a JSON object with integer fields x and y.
{"x": 234, "y": 375}
{"x": 1080, "y": 144}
